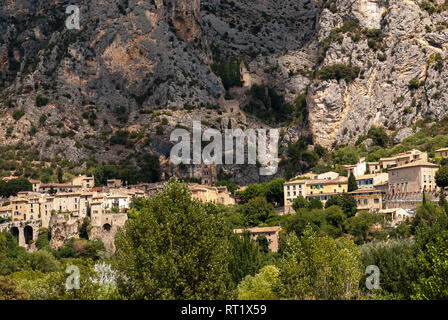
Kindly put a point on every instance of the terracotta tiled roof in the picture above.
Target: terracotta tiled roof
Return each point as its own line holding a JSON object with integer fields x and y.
{"x": 325, "y": 181}
{"x": 259, "y": 229}
{"x": 416, "y": 164}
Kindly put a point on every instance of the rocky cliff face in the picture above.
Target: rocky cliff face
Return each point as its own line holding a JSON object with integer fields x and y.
{"x": 401, "y": 54}
{"x": 62, "y": 229}
{"x": 127, "y": 60}
{"x": 133, "y": 63}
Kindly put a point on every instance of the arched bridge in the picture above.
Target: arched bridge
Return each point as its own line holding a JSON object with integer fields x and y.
{"x": 25, "y": 232}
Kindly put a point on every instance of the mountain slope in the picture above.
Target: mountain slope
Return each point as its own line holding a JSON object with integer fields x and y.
{"x": 137, "y": 69}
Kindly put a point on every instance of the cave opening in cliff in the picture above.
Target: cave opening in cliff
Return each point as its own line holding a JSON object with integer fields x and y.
{"x": 15, "y": 232}
{"x": 28, "y": 233}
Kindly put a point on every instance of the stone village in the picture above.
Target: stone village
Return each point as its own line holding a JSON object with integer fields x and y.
{"x": 392, "y": 186}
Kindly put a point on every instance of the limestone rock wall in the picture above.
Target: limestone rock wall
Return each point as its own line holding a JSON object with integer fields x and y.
{"x": 412, "y": 46}
{"x": 62, "y": 228}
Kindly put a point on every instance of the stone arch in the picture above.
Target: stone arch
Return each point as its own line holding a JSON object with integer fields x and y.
{"x": 15, "y": 232}
{"x": 28, "y": 234}
{"x": 107, "y": 227}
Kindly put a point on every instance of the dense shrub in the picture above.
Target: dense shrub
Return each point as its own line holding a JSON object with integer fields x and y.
{"x": 41, "y": 101}
{"x": 339, "y": 71}
{"x": 18, "y": 114}
{"x": 229, "y": 72}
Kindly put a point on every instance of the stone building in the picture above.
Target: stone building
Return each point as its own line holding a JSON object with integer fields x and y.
{"x": 25, "y": 206}
{"x": 321, "y": 189}
{"x": 231, "y": 109}
{"x": 330, "y": 175}
{"x": 250, "y": 79}
{"x": 370, "y": 181}
{"x": 411, "y": 156}
{"x": 59, "y": 187}
{"x": 408, "y": 200}
{"x": 367, "y": 199}
{"x": 291, "y": 190}
{"x": 6, "y": 211}
{"x": 105, "y": 225}
{"x": 272, "y": 234}
{"x": 203, "y": 193}
{"x": 208, "y": 174}
{"x": 441, "y": 153}
{"x": 317, "y": 187}
{"x": 374, "y": 167}
{"x": 397, "y": 215}
{"x": 224, "y": 196}
{"x": 413, "y": 177}
{"x": 84, "y": 181}
{"x": 357, "y": 169}
{"x": 26, "y": 232}
{"x": 114, "y": 183}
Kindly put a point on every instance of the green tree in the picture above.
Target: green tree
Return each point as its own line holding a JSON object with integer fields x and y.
{"x": 304, "y": 217}
{"x": 229, "y": 71}
{"x": 315, "y": 204}
{"x": 261, "y": 286}
{"x": 362, "y": 227}
{"x": 245, "y": 257}
{"x": 41, "y": 101}
{"x": 263, "y": 243}
{"x": 299, "y": 158}
{"x": 397, "y": 263}
{"x": 149, "y": 168}
{"x": 435, "y": 285}
{"x": 41, "y": 260}
{"x": 379, "y": 136}
{"x": 442, "y": 177}
{"x": 402, "y": 230}
{"x": 346, "y": 155}
{"x": 345, "y": 201}
{"x": 12, "y": 187}
{"x": 257, "y": 211}
{"x": 442, "y": 200}
{"x": 60, "y": 175}
{"x": 251, "y": 192}
{"x": 96, "y": 283}
{"x": 314, "y": 267}
{"x": 339, "y": 71}
{"x": 176, "y": 248}
{"x": 9, "y": 290}
{"x": 428, "y": 214}
{"x": 232, "y": 187}
{"x": 84, "y": 228}
{"x": 274, "y": 191}
{"x": 352, "y": 185}
{"x": 43, "y": 239}
{"x": 299, "y": 203}
{"x": 336, "y": 221}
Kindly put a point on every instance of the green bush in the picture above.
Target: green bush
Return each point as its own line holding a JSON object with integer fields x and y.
{"x": 379, "y": 136}
{"x": 42, "y": 119}
{"x": 41, "y": 101}
{"x": 229, "y": 72}
{"x": 414, "y": 84}
{"x": 339, "y": 71}
{"x": 18, "y": 114}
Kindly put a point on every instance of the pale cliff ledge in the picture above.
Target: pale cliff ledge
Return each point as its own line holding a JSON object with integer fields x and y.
{"x": 370, "y": 12}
